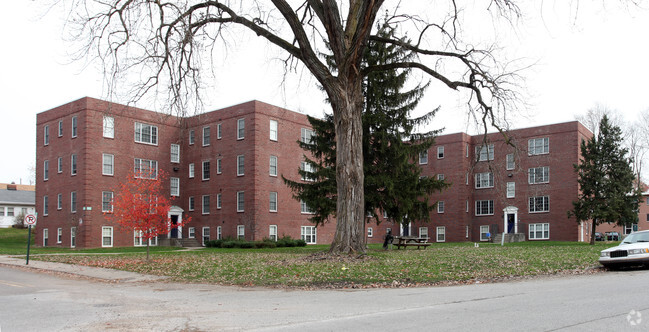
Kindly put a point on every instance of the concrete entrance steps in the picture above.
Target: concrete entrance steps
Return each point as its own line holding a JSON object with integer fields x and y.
{"x": 185, "y": 243}
{"x": 510, "y": 237}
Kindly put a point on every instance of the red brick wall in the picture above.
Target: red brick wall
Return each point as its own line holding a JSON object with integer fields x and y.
{"x": 257, "y": 183}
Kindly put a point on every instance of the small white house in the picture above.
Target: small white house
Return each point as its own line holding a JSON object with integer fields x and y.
{"x": 15, "y": 200}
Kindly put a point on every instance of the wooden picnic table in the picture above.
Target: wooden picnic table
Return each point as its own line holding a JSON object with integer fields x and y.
{"x": 409, "y": 241}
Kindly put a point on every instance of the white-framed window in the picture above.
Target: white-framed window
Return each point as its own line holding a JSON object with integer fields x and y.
{"x": 46, "y": 170}
{"x": 440, "y": 177}
{"x": 630, "y": 228}
{"x": 206, "y": 204}
{"x": 241, "y": 232}
{"x": 192, "y": 136}
{"x": 73, "y": 164}
{"x": 484, "y": 180}
{"x": 59, "y": 235}
{"x": 511, "y": 164}
{"x": 306, "y": 135}
{"x": 304, "y": 208}
{"x": 146, "y": 133}
{"x": 145, "y": 169}
{"x": 423, "y": 157}
{"x": 273, "y": 201}
{"x": 423, "y": 232}
{"x": 370, "y": 232}
{"x": 46, "y": 135}
{"x": 106, "y": 201}
{"x": 539, "y": 175}
{"x": 109, "y": 127}
{"x": 191, "y": 233}
{"x": 241, "y": 128}
{"x": 59, "y": 201}
{"x": 59, "y": 167}
{"x": 191, "y": 170}
{"x": 107, "y": 164}
{"x": 74, "y": 126}
{"x": 45, "y": 236}
{"x": 536, "y": 146}
{"x": 60, "y": 128}
{"x": 219, "y": 168}
{"x": 484, "y": 152}
{"x": 540, "y": 231}
{"x": 138, "y": 240}
{"x": 218, "y": 131}
{"x": 484, "y": 233}
{"x": 467, "y": 206}
{"x": 440, "y": 152}
{"x": 240, "y": 201}
{"x": 175, "y": 153}
{"x": 10, "y": 211}
{"x": 218, "y": 201}
{"x": 273, "y": 130}
{"x": 511, "y": 189}
{"x": 441, "y": 234}
{"x": 206, "y": 136}
{"x": 273, "y": 166}
{"x": 308, "y": 171}
{"x": 206, "y": 235}
{"x": 240, "y": 165}
{"x": 192, "y": 203}
{"x": 73, "y": 237}
{"x": 308, "y": 234}
{"x": 466, "y": 180}
{"x": 272, "y": 232}
{"x": 219, "y": 233}
{"x": 174, "y": 186}
{"x": 106, "y": 236}
{"x": 440, "y": 207}
{"x": 484, "y": 207}
{"x": 206, "y": 170}
{"x": 539, "y": 204}
{"x": 46, "y": 205}
{"x": 73, "y": 201}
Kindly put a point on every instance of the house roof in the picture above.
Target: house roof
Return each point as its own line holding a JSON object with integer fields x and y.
{"x": 19, "y": 197}
{"x": 17, "y": 186}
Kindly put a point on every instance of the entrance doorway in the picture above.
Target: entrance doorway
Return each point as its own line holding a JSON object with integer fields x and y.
{"x": 510, "y": 214}
{"x": 174, "y": 226}
{"x": 175, "y": 218}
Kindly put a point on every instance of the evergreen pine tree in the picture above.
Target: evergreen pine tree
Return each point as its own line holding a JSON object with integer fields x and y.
{"x": 606, "y": 181}
{"x": 390, "y": 147}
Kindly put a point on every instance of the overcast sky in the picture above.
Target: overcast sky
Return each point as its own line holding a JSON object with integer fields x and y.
{"x": 594, "y": 55}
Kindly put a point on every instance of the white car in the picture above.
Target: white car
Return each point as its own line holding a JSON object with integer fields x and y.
{"x": 634, "y": 250}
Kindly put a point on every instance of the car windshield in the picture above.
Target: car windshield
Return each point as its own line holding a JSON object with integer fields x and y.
{"x": 637, "y": 237}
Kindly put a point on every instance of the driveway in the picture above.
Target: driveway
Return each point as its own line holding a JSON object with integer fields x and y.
{"x": 33, "y": 301}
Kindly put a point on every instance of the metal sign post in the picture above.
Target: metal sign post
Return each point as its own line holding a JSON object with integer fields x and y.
{"x": 30, "y": 220}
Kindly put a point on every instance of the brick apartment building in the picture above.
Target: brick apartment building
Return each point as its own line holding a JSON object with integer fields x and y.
{"x": 225, "y": 170}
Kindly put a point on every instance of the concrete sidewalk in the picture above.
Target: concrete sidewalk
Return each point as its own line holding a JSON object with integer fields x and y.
{"x": 108, "y": 275}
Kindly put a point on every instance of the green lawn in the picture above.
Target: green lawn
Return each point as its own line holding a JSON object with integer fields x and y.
{"x": 441, "y": 263}
{"x": 13, "y": 241}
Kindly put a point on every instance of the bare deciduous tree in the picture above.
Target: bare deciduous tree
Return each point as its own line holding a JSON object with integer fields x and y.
{"x": 164, "y": 42}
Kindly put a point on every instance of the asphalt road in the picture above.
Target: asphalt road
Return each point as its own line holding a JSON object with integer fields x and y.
{"x": 33, "y": 301}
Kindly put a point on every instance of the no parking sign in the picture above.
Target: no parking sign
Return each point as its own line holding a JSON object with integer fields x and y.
{"x": 30, "y": 219}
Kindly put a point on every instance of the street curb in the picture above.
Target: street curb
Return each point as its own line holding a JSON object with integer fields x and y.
{"x": 107, "y": 275}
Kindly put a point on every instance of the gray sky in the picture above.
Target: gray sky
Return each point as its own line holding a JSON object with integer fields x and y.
{"x": 596, "y": 54}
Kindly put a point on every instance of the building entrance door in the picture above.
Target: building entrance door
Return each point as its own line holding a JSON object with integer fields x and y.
{"x": 174, "y": 226}
{"x": 510, "y": 219}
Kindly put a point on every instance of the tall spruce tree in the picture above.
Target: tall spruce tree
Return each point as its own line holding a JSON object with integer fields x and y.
{"x": 391, "y": 147}
{"x": 606, "y": 181}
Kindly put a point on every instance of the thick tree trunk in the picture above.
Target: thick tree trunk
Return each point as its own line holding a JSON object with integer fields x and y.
{"x": 350, "y": 227}
{"x": 592, "y": 233}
